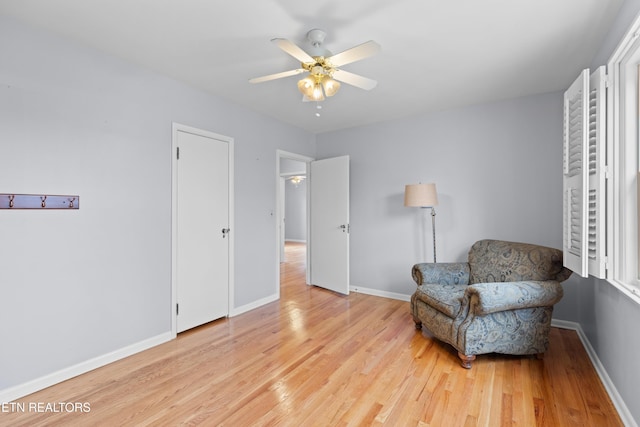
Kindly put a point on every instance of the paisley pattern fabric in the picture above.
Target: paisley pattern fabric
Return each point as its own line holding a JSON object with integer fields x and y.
{"x": 500, "y": 301}
{"x": 500, "y": 261}
{"x": 492, "y": 297}
{"x": 453, "y": 273}
{"x": 523, "y": 331}
{"x": 443, "y": 297}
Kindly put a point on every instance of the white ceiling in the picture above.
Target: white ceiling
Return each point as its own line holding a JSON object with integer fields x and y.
{"x": 435, "y": 54}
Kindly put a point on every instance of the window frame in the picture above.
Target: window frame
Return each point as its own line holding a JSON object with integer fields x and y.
{"x": 623, "y": 155}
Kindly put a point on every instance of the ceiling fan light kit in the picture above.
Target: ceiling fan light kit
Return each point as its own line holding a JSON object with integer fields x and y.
{"x": 316, "y": 86}
{"x": 323, "y": 78}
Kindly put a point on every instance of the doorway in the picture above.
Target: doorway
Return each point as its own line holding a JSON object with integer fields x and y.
{"x": 293, "y": 203}
{"x": 327, "y": 220}
{"x": 294, "y": 221}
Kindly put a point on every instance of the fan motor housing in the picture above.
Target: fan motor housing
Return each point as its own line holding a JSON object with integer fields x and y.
{"x": 316, "y": 38}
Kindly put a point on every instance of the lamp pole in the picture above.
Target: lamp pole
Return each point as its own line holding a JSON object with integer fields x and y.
{"x": 433, "y": 230}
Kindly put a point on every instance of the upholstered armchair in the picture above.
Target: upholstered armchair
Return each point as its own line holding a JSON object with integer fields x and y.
{"x": 500, "y": 301}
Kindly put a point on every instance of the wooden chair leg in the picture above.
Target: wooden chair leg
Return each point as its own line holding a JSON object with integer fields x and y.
{"x": 418, "y": 323}
{"x": 465, "y": 360}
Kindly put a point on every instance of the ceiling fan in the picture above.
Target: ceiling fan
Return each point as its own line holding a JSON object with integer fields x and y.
{"x": 324, "y": 75}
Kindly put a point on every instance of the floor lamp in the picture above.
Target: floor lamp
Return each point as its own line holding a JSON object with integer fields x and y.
{"x": 423, "y": 196}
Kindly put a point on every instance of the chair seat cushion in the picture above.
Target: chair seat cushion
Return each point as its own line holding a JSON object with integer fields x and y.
{"x": 446, "y": 298}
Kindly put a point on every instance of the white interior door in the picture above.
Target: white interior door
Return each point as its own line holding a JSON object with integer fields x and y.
{"x": 329, "y": 224}
{"x": 201, "y": 259}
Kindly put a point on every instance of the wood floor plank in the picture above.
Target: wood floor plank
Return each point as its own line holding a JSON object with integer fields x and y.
{"x": 316, "y": 358}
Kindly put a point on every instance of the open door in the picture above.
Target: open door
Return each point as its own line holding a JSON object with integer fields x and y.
{"x": 329, "y": 224}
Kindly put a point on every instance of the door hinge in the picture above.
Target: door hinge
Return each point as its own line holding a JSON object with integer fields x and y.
{"x": 178, "y": 153}
{"x": 177, "y": 309}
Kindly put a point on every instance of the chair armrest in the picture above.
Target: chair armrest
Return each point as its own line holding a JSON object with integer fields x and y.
{"x": 486, "y": 298}
{"x": 451, "y": 273}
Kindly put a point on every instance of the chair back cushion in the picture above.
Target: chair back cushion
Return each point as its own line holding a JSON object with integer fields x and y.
{"x": 501, "y": 261}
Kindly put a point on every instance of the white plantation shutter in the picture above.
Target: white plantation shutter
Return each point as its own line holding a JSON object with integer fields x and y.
{"x": 596, "y": 238}
{"x": 575, "y": 175}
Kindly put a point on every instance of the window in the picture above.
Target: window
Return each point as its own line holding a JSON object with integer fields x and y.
{"x": 601, "y": 170}
{"x": 623, "y": 152}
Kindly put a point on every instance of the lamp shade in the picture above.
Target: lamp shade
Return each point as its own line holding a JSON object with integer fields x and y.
{"x": 330, "y": 86}
{"x": 420, "y": 195}
{"x": 305, "y": 86}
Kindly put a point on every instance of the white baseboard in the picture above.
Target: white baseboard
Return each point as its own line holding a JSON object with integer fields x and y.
{"x": 248, "y": 307}
{"x": 16, "y": 392}
{"x": 295, "y": 240}
{"x": 378, "y": 293}
{"x": 617, "y": 400}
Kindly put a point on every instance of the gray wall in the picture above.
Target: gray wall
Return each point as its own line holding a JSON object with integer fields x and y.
{"x": 498, "y": 172}
{"x": 295, "y": 198}
{"x": 78, "y": 285}
{"x": 295, "y": 211}
{"x": 290, "y": 166}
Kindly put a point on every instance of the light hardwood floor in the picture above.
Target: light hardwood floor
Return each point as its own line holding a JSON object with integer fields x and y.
{"x": 315, "y": 358}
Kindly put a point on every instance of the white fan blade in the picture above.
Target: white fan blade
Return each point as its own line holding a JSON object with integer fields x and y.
{"x": 276, "y": 76}
{"x": 354, "y": 80}
{"x": 293, "y": 50}
{"x": 354, "y": 54}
